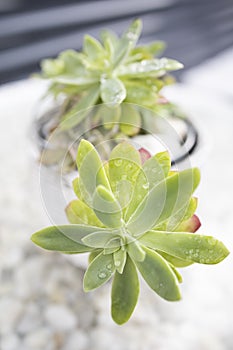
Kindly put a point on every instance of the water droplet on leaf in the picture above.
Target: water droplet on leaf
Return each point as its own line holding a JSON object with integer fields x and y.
{"x": 102, "y": 275}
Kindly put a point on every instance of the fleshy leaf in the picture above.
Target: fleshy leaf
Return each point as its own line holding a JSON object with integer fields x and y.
{"x": 80, "y": 110}
{"x": 154, "y": 170}
{"x": 120, "y": 257}
{"x": 174, "y": 260}
{"x": 101, "y": 239}
{"x": 125, "y": 290}
{"x": 64, "y": 238}
{"x": 79, "y": 213}
{"x": 190, "y": 225}
{"x": 90, "y": 167}
{"x": 159, "y": 275}
{"x": 92, "y": 47}
{"x": 124, "y": 164}
{"x": 135, "y": 250}
{"x": 184, "y": 214}
{"x": 99, "y": 272}
{"x": 148, "y": 51}
{"x": 144, "y": 155}
{"x": 176, "y": 272}
{"x": 127, "y": 42}
{"x": 106, "y": 207}
{"x": 187, "y": 246}
{"x": 149, "y": 68}
{"x": 93, "y": 255}
{"x": 112, "y": 91}
{"x": 164, "y": 200}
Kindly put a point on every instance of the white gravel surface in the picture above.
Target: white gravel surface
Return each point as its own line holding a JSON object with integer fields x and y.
{"x": 42, "y": 305}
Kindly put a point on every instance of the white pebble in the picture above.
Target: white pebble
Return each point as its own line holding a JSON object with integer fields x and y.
{"x": 10, "y": 311}
{"x": 10, "y": 342}
{"x": 38, "y": 339}
{"x": 30, "y": 319}
{"x": 78, "y": 340}
{"x": 60, "y": 318}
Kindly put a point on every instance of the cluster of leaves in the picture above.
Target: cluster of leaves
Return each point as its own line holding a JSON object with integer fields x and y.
{"x": 110, "y": 72}
{"x": 132, "y": 213}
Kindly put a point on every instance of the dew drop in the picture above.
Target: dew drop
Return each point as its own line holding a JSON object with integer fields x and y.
{"x": 211, "y": 241}
{"x": 145, "y": 186}
{"x": 109, "y": 266}
{"x": 102, "y": 275}
{"x": 118, "y": 162}
{"x": 117, "y": 263}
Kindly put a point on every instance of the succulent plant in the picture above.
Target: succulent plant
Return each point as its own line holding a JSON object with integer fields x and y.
{"x": 108, "y": 73}
{"x": 132, "y": 214}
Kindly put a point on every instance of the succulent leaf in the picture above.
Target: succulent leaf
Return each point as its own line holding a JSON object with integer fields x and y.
{"x": 112, "y": 91}
{"x": 64, "y": 238}
{"x": 98, "y": 272}
{"x": 159, "y": 275}
{"x": 125, "y": 291}
{"x": 78, "y": 212}
{"x": 80, "y": 110}
{"x": 107, "y": 208}
{"x": 187, "y": 246}
{"x": 91, "y": 168}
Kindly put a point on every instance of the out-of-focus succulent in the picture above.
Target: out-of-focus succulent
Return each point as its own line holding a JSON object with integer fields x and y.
{"x": 110, "y": 72}
{"x": 132, "y": 214}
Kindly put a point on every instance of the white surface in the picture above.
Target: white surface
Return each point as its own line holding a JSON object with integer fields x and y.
{"x": 34, "y": 281}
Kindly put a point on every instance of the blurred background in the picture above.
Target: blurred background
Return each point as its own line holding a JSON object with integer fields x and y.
{"x": 42, "y": 304}
{"x": 30, "y": 30}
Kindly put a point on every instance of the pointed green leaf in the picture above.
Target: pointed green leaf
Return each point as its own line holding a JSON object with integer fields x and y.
{"x": 164, "y": 200}
{"x": 120, "y": 259}
{"x": 91, "y": 170}
{"x": 86, "y": 82}
{"x": 101, "y": 239}
{"x": 93, "y": 255}
{"x": 159, "y": 275}
{"x": 176, "y": 272}
{"x": 107, "y": 208}
{"x": 80, "y": 110}
{"x": 138, "y": 92}
{"x": 154, "y": 170}
{"x": 112, "y": 91}
{"x": 190, "y": 225}
{"x": 135, "y": 250}
{"x": 110, "y": 41}
{"x": 125, "y": 291}
{"x": 65, "y": 238}
{"x": 127, "y": 42}
{"x": 174, "y": 260}
{"x": 78, "y": 212}
{"x": 149, "y": 68}
{"x": 148, "y": 51}
{"x": 92, "y": 48}
{"x": 124, "y": 164}
{"x": 187, "y": 246}
{"x": 170, "y": 64}
{"x": 52, "y": 67}
{"x": 99, "y": 272}
{"x": 185, "y": 213}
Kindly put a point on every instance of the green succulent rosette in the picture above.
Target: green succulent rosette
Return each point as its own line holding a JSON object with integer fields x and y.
{"x": 133, "y": 215}
{"x": 110, "y": 72}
